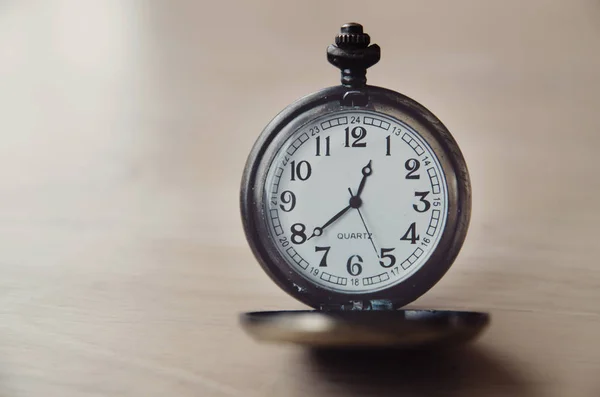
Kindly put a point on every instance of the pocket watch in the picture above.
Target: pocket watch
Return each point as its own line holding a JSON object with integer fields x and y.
{"x": 356, "y": 200}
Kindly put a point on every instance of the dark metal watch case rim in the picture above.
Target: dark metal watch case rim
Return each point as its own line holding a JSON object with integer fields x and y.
{"x": 335, "y": 99}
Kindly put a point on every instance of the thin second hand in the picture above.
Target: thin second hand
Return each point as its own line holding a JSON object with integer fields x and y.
{"x": 367, "y": 229}
{"x": 365, "y": 225}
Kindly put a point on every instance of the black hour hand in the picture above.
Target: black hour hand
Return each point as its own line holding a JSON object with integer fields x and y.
{"x": 366, "y": 171}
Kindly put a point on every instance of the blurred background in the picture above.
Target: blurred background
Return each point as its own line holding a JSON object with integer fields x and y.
{"x": 124, "y": 129}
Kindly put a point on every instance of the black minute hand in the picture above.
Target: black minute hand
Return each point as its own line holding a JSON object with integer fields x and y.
{"x": 319, "y": 230}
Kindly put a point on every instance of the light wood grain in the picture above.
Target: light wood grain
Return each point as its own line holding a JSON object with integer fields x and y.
{"x": 124, "y": 128}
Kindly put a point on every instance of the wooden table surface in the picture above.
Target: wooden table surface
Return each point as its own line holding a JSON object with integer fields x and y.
{"x": 124, "y": 128}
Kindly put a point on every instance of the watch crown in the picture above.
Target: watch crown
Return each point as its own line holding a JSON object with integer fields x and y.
{"x": 353, "y": 55}
{"x": 352, "y": 35}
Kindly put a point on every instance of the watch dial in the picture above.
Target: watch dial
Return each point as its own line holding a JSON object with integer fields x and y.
{"x": 356, "y": 201}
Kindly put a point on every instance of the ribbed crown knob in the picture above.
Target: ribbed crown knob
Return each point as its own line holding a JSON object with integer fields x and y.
{"x": 353, "y": 55}
{"x": 352, "y": 35}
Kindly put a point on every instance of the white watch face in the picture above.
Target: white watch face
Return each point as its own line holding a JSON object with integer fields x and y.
{"x": 356, "y": 201}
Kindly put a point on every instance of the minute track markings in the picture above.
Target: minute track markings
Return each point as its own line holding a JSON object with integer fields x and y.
{"x": 376, "y": 279}
{"x": 376, "y": 122}
{"x": 435, "y": 182}
{"x": 412, "y": 258}
{"x": 334, "y": 122}
{"x": 381, "y": 143}
{"x": 297, "y": 143}
{"x": 413, "y": 144}
{"x": 334, "y": 279}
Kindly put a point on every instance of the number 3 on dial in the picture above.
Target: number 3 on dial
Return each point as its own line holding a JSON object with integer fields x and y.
{"x": 426, "y": 203}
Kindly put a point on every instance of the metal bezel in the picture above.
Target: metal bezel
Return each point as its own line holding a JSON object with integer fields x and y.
{"x": 392, "y": 104}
